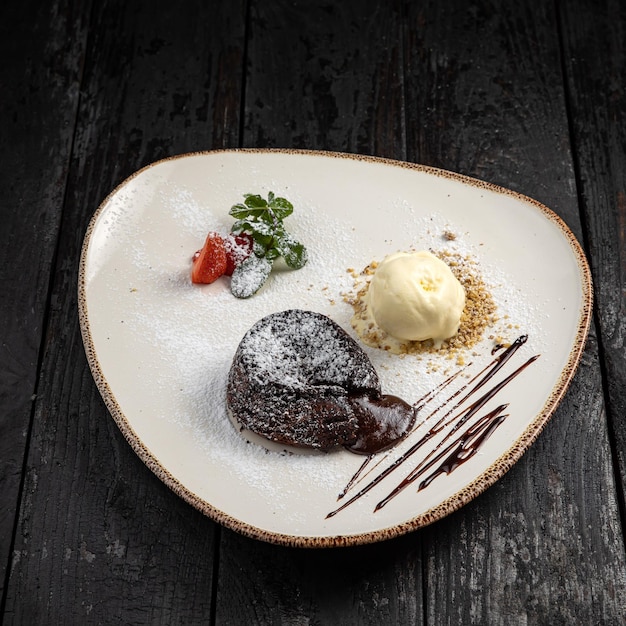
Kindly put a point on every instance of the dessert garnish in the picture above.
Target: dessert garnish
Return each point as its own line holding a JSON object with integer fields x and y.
{"x": 297, "y": 378}
{"x": 210, "y": 262}
{"x": 247, "y": 254}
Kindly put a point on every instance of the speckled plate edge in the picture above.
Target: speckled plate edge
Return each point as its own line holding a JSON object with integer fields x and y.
{"x": 486, "y": 479}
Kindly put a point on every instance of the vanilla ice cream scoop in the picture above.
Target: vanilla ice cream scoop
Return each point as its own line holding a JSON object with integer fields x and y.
{"x": 414, "y": 296}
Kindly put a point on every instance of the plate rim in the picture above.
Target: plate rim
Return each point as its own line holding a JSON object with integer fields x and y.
{"x": 506, "y": 459}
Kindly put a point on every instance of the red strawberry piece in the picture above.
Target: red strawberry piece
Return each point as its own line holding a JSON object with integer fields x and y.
{"x": 209, "y": 263}
{"x": 238, "y": 249}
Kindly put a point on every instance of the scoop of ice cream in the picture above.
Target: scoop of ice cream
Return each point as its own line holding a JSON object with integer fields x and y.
{"x": 414, "y": 296}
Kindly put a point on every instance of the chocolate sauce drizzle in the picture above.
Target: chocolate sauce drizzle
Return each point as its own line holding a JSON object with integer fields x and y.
{"x": 467, "y": 432}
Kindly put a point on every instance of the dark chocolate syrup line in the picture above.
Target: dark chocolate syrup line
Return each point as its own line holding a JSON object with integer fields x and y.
{"x": 467, "y": 448}
{"x": 472, "y": 409}
{"x": 433, "y": 393}
{"x": 487, "y": 373}
{"x": 462, "y": 418}
{"x": 355, "y": 477}
{"x": 502, "y": 359}
{"x": 453, "y": 453}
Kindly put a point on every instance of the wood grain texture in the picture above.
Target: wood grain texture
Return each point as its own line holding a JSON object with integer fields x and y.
{"x": 264, "y": 584}
{"x": 37, "y": 113}
{"x": 485, "y": 98}
{"x": 526, "y": 95}
{"x": 594, "y": 36}
{"x": 100, "y": 539}
{"x": 317, "y": 72}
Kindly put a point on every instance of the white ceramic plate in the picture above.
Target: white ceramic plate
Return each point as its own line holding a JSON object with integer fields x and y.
{"x": 160, "y": 348}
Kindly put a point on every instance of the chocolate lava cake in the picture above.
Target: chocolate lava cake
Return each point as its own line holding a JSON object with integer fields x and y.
{"x": 297, "y": 378}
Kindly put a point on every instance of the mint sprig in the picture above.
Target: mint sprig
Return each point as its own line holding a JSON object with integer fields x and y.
{"x": 263, "y": 220}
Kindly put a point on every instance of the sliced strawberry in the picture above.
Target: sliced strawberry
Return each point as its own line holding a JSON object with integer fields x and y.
{"x": 209, "y": 263}
{"x": 238, "y": 249}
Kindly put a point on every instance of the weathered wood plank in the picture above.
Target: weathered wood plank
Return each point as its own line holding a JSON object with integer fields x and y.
{"x": 375, "y": 584}
{"x": 326, "y": 76}
{"x": 485, "y": 97}
{"x": 476, "y": 89}
{"x": 595, "y": 63}
{"x": 100, "y": 539}
{"x": 42, "y": 50}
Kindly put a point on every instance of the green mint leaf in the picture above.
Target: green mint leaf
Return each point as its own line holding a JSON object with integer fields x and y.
{"x": 261, "y": 243}
{"x": 256, "y": 206}
{"x": 254, "y": 201}
{"x": 252, "y": 226}
{"x": 250, "y": 275}
{"x": 282, "y": 208}
{"x": 239, "y": 211}
{"x": 279, "y": 231}
{"x": 297, "y": 256}
{"x": 239, "y": 227}
{"x": 263, "y": 221}
{"x": 267, "y": 215}
{"x": 280, "y": 214}
{"x": 284, "y": 242}
{"x": 272, "y": 254}
{"x": 261, "y": 227}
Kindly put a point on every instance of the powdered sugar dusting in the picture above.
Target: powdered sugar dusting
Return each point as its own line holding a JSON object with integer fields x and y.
{"x": 298, "y": 349}
{"x": 198, "y": 328}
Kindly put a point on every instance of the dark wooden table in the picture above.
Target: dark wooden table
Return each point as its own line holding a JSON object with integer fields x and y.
{"x": 528, "y": 95}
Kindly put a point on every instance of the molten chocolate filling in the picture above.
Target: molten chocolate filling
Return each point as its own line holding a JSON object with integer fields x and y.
{"x": 299, "y": 379}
